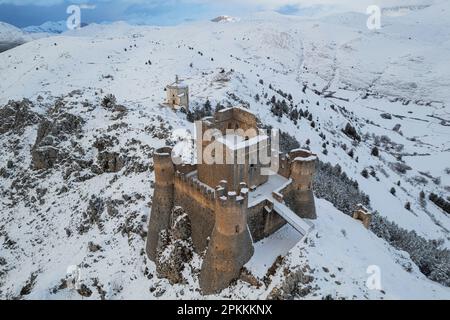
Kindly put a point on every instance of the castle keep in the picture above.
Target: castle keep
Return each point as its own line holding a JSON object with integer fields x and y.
{"x": 231, "y": 205}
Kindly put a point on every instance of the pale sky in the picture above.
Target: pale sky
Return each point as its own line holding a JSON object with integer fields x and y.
{"x": 168, "y": 12}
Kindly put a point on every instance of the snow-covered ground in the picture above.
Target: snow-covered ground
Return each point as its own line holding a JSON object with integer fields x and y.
{"x": 334, "y": 67}
{"x": 11, "y": 37}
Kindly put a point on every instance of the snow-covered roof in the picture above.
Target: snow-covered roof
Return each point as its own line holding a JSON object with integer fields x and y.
{"x": 237, "y": 107}
{"x": 362, "y": 207}
{"x": 307, "y": 159}
{"x": 236, "y": 142}
{"x": 275, "y": 182}
{"x": 177, "y": 85}
{"x": 301, "y": 150}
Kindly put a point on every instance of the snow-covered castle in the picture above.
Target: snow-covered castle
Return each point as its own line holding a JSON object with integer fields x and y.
{"x": 231, "y": 206}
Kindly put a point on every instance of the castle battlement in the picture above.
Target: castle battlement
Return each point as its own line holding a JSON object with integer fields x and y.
{"x": 239, "y": 197}
{"x": 191, "y": 183}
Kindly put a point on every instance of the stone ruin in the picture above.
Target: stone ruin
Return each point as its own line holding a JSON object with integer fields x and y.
{"x": 362, "y": 214}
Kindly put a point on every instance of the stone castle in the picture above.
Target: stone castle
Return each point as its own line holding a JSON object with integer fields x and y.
{"x": 231, "y": 206}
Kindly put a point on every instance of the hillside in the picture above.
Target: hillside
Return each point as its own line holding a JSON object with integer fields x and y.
{"x": 10, "y": 36}
{"x": 76, "y": 174}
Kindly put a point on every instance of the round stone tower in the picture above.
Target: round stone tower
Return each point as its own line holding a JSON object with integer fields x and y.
{"x": 303, "y": 167}
{"x": 231, "y": 245}
{"x": 163, "y": 198}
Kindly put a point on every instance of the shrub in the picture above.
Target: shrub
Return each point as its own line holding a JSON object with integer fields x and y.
{"x": 350, "y": 132}
{"x": 288, "y": 142}
{"x": 365, "y": 173}
{"x": 109, "y": 101}
{"x": 375, "y": 152}
{"x": 199, "y": 113}
{"x": 440, "y": 202}
{"x": 335, "y": 186}
{"x": 408, "y": 206}
{"x": 351, "y": 153}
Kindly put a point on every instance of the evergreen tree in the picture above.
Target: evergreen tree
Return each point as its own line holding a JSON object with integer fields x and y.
{"x": 375, "y": 152}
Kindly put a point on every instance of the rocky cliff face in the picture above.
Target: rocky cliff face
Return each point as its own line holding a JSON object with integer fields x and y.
{"x": 175, "y": 248}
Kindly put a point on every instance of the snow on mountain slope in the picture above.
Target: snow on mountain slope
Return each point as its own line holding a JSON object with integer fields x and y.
{"x": 223, "y": 19}
{"x": 52, "y": 27}
{"x": 334, "y": 266}
{"x": 340, "y": 73}
{"x": 11, "y": 36}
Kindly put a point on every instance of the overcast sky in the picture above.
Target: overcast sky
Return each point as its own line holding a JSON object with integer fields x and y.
{"x": 168, "y": 12}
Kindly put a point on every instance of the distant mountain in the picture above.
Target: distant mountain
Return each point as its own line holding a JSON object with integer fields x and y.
{"x": 48, "y": 27}
{"x": 11, "y": 36}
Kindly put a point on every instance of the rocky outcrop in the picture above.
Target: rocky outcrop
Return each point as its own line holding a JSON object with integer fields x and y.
{"x": 15, "y": 116}
{"x": 296, "y": 283}
{"x": 59, "y": 129}
{"x": 92, "y": 215}
{"x": 46, "y": 151}
{"x": 110, "y": 161}
{"x": 174, "y": 247}
{"x": 44, "y": 157}
{"x": 110, "y": 102}
{"x": 107, "y": 161}
{"x": 104, "y": 142}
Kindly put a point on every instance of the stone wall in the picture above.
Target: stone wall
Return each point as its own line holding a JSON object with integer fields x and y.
{"x": 299, "y": 195}
{"x": 163, "y": 199}
{"x": 231, "y": 245}
{"x": 235, "y": 118}
{"x": 263, "y": 221}
{"x": 198, "y": 201}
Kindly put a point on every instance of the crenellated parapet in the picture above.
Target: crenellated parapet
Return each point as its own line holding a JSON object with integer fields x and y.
{"x": 231, "y": 209}
{"x": 192, "y": 184}
{"x": 231, "y": 245}
{"x": 231, "y": 198}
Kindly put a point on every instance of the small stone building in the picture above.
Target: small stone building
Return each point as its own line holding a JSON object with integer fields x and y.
{"x": 177, "y": 94}
{"x": 363, "y": 214}
{"x": 231, "y": 206}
